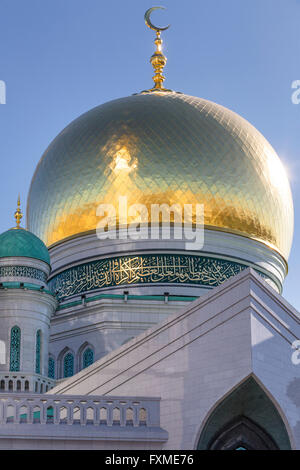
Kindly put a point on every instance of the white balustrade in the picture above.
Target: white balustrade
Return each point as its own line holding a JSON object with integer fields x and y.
{"x": 16, "y": 382}
{"x": 83, "y": 410}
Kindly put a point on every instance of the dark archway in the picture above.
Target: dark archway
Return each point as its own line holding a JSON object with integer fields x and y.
{"x": 245, "y": 419}
{"x": 244, "y": 434}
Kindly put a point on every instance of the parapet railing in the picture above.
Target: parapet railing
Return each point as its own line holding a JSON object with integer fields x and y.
{"x": 83, "y": 410}
{"x": 22, "y": 382}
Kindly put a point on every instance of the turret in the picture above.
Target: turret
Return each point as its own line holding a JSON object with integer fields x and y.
{"x": 26, "y": 306}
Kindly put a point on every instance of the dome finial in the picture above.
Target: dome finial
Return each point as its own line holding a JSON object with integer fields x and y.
{"x": 158, "y": 60}
{"x": 18, "y": 213}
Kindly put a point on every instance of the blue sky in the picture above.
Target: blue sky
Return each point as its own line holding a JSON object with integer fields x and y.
{"x": 60, "y": 58}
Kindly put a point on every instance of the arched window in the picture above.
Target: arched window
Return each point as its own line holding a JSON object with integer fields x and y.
{"x": 68, "y": 365}
{"x": 15, "y": 346}
{"x": 87, "y": 358}
{"x": 51, "y": 368}
{"x": 38, "y": 352}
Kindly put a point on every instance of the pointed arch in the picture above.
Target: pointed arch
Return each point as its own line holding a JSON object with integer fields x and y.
{"x": 246, "y": 417}
{"x": 242, "y": 433}
{"x": 87, "y": 358}
{"x": 85, "y": 355}
{"x": 66, "y": 363}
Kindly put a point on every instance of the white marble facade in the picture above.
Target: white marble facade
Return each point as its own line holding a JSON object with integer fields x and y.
{"x": 236, "y": 339}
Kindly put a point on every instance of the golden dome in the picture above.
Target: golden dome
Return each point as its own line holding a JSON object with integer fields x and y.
{"x": 162, "y": 148}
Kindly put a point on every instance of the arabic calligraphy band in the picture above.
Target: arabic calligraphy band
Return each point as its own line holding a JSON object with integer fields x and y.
{"x": 143, "y": 269}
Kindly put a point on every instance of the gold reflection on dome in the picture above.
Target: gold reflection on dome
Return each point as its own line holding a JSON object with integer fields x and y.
{"x": 160, "y": 148}
{"x": 121, "y": 161}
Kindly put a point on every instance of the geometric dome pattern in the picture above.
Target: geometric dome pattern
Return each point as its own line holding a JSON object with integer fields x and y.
{"x": 20, "y": 242}
{"x": 160, "y": 148}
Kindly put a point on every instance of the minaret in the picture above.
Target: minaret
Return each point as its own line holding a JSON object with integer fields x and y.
{"x": 26, "y": 306}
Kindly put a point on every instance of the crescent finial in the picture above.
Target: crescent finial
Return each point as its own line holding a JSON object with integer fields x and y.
{"x": 149, "y": 22}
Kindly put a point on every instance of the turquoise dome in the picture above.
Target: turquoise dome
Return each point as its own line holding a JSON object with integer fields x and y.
{"x": 21, "y": 242}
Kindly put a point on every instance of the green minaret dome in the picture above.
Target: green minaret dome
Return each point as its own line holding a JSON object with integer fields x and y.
{"x": 20, "y": 242}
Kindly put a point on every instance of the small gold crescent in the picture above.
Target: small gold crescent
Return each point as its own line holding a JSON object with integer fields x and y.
{"x": 148, "y": 21}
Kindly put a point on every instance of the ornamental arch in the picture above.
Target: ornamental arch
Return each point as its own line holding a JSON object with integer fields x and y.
{"x": 66, "y": 363}
{"x": 85, "y": 356}
{"x": 246, "y": 418}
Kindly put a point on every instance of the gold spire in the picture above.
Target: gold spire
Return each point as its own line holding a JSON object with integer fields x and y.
{"x": 158, "y": 60}
{"x": 18, "y": 214}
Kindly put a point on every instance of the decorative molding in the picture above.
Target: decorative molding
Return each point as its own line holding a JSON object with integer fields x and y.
{"x": 23, "y": 271}
{"x": 144, "y": 269}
